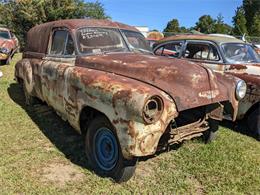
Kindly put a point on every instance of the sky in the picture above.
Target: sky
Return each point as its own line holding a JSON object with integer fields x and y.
{"x": 156, "y": 14}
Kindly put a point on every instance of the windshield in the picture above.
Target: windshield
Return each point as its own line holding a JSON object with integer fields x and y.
{"x": 92, "y": 40}
{"x": 4, "y": 34}
{"x": 137, "y": 41}
{"x": 239, "y": 53}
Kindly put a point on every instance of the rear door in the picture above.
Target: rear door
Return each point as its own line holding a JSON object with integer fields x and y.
{"x": 59, "y": 60}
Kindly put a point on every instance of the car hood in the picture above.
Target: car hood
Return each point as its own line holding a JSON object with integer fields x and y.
{"x": 189, "y": 84}
{"x": 6, "y": 43}
{"x": 248, "y": 72}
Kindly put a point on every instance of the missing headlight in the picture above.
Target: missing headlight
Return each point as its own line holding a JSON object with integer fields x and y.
{"x": 152, "y": 109}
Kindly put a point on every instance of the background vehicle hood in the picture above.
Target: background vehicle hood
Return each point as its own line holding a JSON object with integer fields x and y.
{"x": 6, "y": 43}
{"x": 189, "y": 84}
{"x": 248, "y": 72}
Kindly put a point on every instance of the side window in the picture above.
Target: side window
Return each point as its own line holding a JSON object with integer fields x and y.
{"x": 170, "y": 49}
{"x": 159, "y": 51}
{"x": 69, "y": 50}
{"x": 201, "y": 51}
{"x": 62, "y": 43}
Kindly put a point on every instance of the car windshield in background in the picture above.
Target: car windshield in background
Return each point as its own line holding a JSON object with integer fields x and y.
{"x": 137, "y": 41}
{"x": 4, "y": 34}
{"x": 239, "y": 53}
{"x": 100, "y": 40}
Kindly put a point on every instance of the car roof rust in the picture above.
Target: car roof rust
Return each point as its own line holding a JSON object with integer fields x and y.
{"x": 202, "y": 37}
{"x": 78, "y": 23}
{"x": 38, "y": 36}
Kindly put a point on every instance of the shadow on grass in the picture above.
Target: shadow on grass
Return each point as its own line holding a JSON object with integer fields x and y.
{"x": 60, "y": 133}
{"x": 238, "y": 126}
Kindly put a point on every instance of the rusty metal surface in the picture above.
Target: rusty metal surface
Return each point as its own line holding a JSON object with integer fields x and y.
{"x": 40, "y": 42}
{"x": 119, "y": 85}
{"x": 189, "y": 84}
{"x": 120, "y": 99}
{"x": 180, "y": 134}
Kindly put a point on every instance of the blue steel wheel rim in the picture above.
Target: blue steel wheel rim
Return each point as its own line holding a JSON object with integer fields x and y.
{"x": 106, "y": 149}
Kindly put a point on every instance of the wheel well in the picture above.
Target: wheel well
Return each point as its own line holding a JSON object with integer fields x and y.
{"x": 255, "y": 106}
{"x": 86, "y": 116}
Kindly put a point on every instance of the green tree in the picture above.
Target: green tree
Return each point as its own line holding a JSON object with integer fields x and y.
{"x": 22, "y": 15}
{"x": 239, "y": 22}
{"x": 206, "y": 24}
{"x": 255, "y": 29}
{"x": 184, "y": 29}
{"x": 252, "y": 10}
{"x": 220, "y": 26}
{"x": 172, "y": 27}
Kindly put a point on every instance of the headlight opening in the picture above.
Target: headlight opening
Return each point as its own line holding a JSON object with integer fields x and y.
{"x": 153, "y": 109}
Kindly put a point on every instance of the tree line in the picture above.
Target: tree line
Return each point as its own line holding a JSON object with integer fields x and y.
{"x": 245, "y": 21}
{"x": 21, "y": 15}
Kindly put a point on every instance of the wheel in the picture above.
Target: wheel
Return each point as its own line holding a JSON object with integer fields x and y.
{"x": 104, "y": 153}
{"x": 29, "y": 100}
{"x": 253, "y": 121}
{"x": 210, "y": 134}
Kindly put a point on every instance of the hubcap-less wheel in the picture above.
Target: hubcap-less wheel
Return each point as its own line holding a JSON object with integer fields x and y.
{"x": 106, "y": 149}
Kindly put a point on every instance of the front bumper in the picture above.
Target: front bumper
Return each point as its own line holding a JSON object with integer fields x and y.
{"x": 147, "y": 137}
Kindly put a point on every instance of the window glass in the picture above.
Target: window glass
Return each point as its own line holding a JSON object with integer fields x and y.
{"x": 201, "y": 51}
{"x": 70, "y": 50}
{"x": 58, "y": 42}
{"x": 4, "y": 34}
{"x": 93, "y": 40}
{"x": 62, "y": 43}
{"x": 172, "y": 49}
{"x": 137, "y": 41}
{"x": 159, "y": 51}
{"x": 239, "y": 53}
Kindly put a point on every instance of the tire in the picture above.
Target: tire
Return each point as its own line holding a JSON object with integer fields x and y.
{"x": 210, "y": 134}
{"x": 104, "y": 153}
{"x": 253, "y": 122}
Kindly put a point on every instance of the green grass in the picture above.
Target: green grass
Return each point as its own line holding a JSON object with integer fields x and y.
{"x": 39, "y": 154}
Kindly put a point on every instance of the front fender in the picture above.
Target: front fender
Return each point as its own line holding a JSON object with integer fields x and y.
{"x": 122, "y": 100}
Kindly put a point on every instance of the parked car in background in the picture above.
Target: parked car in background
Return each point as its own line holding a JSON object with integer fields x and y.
{"x": 8, "y": 45}
{"x": 103, "y": 79}
{"x": 222, "y": 54}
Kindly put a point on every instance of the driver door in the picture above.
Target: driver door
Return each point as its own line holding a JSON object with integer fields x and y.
{"x": 59, "y": 60}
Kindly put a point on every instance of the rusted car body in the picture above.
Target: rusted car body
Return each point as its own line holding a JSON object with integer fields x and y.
{"x": 226, "y": 55}
{"x": 104, "y": 70}
{"x": 8, "y": 45}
